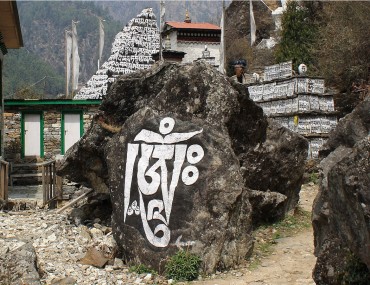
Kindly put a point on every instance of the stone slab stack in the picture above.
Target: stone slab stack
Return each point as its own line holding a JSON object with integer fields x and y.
{"x": 299, "y": 103}
{"x": 132, "y": 50}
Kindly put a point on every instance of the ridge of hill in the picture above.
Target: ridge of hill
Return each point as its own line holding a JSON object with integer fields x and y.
{"x": 38, "y": 69}
{"x": 43, "y": 27}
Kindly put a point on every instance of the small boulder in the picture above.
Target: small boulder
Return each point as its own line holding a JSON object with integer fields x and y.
{"x": 95, "y": 258}
{"x": 118, "y": 263}
{"x": 19, "y": 265}
{"x": 64, "y": 281}
{"x": 267, "y": 206}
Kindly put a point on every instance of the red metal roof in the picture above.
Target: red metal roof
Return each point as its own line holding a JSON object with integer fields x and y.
{"x": 195, "y": 26}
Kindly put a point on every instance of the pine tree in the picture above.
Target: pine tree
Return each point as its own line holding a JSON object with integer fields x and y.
{"x": 297, "y": 36}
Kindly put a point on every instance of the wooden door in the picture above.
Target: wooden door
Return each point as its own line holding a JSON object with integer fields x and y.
{"x": 32, "y": 134}
{"x": 72, "y": 129}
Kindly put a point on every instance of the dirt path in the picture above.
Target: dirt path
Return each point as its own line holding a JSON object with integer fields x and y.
{"x": 291, "y": 262}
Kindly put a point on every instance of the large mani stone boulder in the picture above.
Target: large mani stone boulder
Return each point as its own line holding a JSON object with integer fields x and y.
{"x": 341, "y": 210}
{"x": 182, "y": 188}
{"x": 190, "y": 162}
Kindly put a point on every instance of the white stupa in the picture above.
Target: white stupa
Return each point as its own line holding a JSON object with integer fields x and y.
{"x": 132, "y": 50}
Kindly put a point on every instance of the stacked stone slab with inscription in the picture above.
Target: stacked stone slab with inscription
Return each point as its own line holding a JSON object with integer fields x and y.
{"x": 299, "y": 103}
{"x": 132, "y": 50}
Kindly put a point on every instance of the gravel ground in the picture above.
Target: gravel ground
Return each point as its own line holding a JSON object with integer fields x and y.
{"x": 60, "y": 245}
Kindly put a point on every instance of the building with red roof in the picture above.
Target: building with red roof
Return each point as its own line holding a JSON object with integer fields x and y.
{"x": 191, "y": 38}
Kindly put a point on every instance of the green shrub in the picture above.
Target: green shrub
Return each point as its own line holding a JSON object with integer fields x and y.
{"x": 183, "y": 266}
{"x": 314, "y": 177}
{"x": 141, "y": 268}
{"x": 342, "y": 53}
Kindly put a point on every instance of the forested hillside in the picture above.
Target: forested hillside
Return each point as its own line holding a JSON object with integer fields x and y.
{"x": 331, "y": 37}
{"x": 39, "y": 66}
{"x": 43, "y": 25}
{"x": 200, "y": 11}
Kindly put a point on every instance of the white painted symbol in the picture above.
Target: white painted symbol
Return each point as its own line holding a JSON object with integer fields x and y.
{"x": 180, "y": 244}
{"x": 133, "y": 209}
{"x": 153, "y": 153}
{"x": 190, "y": 175}
{"x": 166, "y": 126}
{"x": 194, "y": 153}
{"x": 302, "y": 69}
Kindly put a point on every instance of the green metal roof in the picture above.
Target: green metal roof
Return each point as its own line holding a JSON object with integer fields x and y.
{"x": 34, "y": 102}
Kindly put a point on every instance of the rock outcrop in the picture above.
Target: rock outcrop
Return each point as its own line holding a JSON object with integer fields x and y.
{"x": 350, "y": 130}
{"x": 182, "y": 149}
{"x": 341, "y": 212}
{"x": 238, "y": 20}
{"x": 18, "y": 263}
{"x": 274, "y": 167}
{"x": 237, "y": 33}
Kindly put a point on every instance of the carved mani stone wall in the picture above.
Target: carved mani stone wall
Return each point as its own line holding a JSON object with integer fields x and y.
{"x": 132, "y": 50}
{"x": 297, "y": 103}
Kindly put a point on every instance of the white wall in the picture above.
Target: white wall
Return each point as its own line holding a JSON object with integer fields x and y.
{"x": 194, "y": 50}
{"x": 173, "y": 40}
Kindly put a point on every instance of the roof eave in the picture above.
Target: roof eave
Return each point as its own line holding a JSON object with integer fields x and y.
{"x": 18, "y": 24}
{"x": 170, "y": 27}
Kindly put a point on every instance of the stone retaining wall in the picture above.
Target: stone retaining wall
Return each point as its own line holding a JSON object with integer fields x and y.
{"x": 52, "y": 116}
{"x": 12, "y": 134}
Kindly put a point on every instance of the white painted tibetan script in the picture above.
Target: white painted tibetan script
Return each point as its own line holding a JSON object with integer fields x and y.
{"x": 150, "y": 154}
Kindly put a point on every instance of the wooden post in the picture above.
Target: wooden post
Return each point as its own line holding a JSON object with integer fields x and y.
{"x": 49, "y": 181}
{"x": 59, "y": 187}
{"x": 51, "y": 190}
{"x": 6, "y": 181}
{"x": 53, "y": 202}
{"x": 54, "y": 182}
{"x": 43, "y": 186}
{"x": 2, "y": 188}
{"x": 74, "y": 201}
{"x": 66, "y": 59}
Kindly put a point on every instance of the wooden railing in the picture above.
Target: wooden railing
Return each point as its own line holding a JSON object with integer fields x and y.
{"x": 4, "y": 170}
{"x": 23, "y": 170}
{"x": 51, "y": 189}
{"x": 51, "y": 183}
